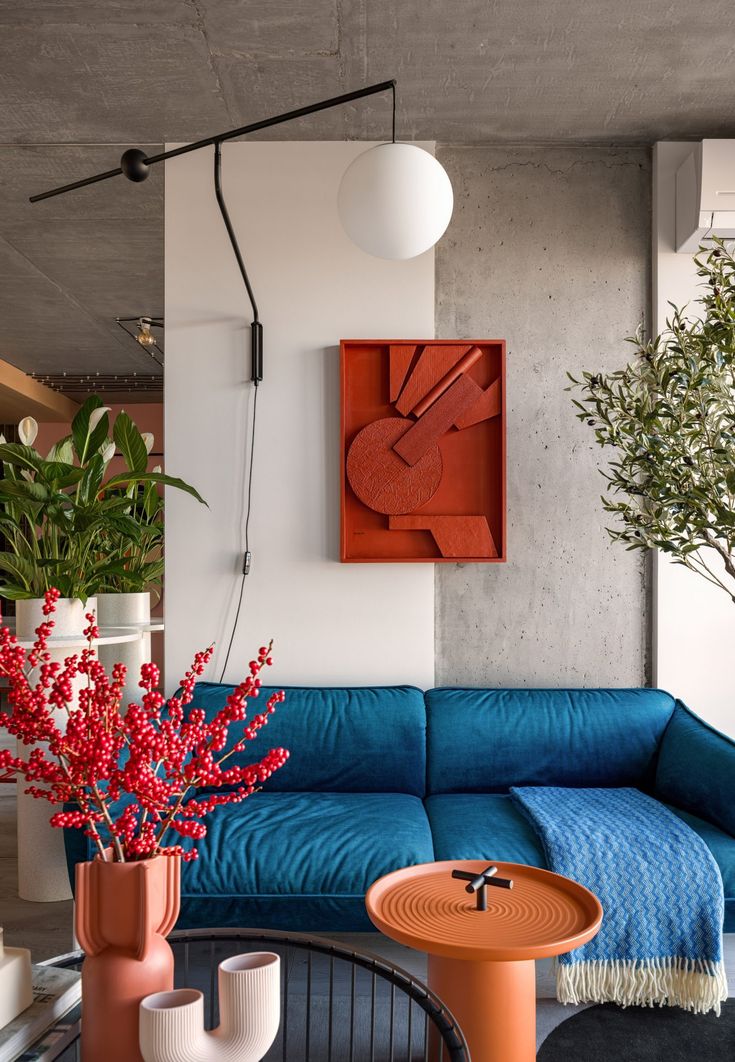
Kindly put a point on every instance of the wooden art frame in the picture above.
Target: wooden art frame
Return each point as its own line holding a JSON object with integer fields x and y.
{"x": 423, "y": 451}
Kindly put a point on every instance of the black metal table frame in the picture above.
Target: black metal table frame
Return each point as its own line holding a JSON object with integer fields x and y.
{"x": 451, "y": 1044}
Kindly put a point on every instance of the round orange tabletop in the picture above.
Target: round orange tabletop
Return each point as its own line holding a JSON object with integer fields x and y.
{"x": 543, "y": 914}
{"x": 481, "y": 962}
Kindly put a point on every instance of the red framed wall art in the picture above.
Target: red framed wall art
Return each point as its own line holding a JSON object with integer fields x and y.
{"x": 423, "y": 450}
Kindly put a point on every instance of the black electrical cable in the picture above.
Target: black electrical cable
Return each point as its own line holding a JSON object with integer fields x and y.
{"x": 394, "y": 112}
{"x": 246, "y": 559}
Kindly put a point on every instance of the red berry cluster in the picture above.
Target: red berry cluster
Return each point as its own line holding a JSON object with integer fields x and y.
{"x": 131, "y": 776}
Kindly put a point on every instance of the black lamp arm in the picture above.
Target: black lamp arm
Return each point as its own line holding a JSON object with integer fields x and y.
{"x": 135, "y": 165}
{"x": 256, "y": 328}
{"x": 137, "y": 162}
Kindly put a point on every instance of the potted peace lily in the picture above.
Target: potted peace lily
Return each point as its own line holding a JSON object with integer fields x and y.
{"x": 125, "y": 600}
{"x": 68, "y": 524}
{"x": 136, "y": 570}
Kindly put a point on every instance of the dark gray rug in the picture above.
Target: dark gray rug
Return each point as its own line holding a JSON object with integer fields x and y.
{"x": 640, "y": 1034}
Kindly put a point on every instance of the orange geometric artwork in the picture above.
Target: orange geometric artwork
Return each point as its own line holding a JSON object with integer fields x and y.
{"x": 423, "y": 450}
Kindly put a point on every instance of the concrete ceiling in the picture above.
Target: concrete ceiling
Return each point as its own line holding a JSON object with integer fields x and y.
{"x": 79, "y": 82}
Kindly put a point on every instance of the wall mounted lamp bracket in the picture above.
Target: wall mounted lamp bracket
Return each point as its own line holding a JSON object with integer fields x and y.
{"x": 140, "y": 328}
{"x": 136, "y": 166}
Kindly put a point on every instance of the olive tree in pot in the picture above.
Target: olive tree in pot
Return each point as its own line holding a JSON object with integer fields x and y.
{"x": 58, "y": 517}
{"x": 669, "y": 419}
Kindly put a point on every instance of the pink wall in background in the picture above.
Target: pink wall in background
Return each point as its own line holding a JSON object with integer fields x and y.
{"x": 147, "y": 416}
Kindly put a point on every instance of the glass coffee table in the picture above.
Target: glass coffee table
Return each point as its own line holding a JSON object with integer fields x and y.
{"x": 337, "y": 1004}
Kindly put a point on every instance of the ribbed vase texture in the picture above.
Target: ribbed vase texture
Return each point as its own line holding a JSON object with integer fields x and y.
{"x": 124, "y": 911}
{"x": 172, "y": 1023}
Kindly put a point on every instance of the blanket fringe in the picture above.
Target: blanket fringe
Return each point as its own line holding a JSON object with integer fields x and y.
{"x": 695, "y": 985}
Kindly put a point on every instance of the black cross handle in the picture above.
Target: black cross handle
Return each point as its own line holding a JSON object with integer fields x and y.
{"x": 478, "y": 883}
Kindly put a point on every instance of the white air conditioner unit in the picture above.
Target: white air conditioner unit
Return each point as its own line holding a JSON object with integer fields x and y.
{"x": 705, "y": 194}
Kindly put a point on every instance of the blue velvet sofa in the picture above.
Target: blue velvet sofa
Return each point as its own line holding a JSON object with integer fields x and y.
{"x": 383, "y": 777}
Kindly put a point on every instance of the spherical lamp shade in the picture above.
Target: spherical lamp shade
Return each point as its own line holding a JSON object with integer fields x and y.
{"x": 395, "y": 201}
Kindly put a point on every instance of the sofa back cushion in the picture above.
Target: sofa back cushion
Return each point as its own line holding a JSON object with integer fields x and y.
{"x": 488, "y": 740}
{"x": 368, "y": 739}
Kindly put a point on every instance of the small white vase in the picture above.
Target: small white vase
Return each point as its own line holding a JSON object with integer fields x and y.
{"x": 42, "y": 870}
{"x": 172, "y": 1023}
{"x": 126, "y": 610}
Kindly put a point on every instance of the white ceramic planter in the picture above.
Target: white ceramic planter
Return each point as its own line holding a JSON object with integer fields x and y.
{"x": 172, "y": 1023}
{"x": 69, "y": 621}
{"x": 42, "y": 871}
{"x": 126, "y": 610}
{"x": 123, "y": 610}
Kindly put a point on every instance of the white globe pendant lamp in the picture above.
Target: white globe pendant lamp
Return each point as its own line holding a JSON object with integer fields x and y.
{"x": 395, "y": 201}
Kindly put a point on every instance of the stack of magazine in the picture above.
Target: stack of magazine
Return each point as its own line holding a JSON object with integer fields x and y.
{"x": 38, "y": 1032}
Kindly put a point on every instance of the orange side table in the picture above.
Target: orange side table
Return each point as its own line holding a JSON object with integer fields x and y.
{"x": 482, "y": 963}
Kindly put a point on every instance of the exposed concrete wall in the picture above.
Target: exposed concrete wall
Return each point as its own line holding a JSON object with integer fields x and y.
{"x": 549, "y": 249}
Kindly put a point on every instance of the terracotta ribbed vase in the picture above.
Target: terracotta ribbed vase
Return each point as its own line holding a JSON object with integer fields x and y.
{"x": 172, "y": 1023}
{"x": 123, "y": 913}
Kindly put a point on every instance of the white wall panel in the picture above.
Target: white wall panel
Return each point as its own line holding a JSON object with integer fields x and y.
{"x": 332, "y": 623}
{"x": 694, "y": 622}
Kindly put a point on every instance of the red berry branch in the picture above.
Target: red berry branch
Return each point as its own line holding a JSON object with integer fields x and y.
{"x": 128, "y": 779}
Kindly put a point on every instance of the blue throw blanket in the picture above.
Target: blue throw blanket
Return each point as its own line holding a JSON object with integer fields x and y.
{"x": 661, "y": 892}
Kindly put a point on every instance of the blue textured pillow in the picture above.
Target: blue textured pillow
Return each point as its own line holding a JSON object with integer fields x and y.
{"x": 488, "y": 740}
{"x": 369, "y": 739}
{"x": 696, "y": 769}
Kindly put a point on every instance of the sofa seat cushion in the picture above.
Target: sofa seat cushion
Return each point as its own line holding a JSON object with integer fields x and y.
{"x": 301, "y": 860}
{"x": 482, "y": 826}
{"x": 490, "y": 826}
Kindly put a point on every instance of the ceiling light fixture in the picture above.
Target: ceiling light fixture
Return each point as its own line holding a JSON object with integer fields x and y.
{"x": 145, "y": 337}
{"x": 140, "y": 329}
{"x": 395, "y": 200}
{"x": 81, "y": 385}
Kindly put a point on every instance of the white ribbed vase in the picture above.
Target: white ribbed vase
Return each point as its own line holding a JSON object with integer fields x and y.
{"x": 172, "y": 1023}
{"x": 126, "y": 610}
{"x": 42, "y": 871}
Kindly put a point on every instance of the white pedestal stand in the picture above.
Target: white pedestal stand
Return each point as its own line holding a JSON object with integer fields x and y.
{"x": 42, "y": 870}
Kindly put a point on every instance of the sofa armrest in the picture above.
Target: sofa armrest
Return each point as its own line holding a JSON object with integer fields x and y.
{"x": 696, "y": 769}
